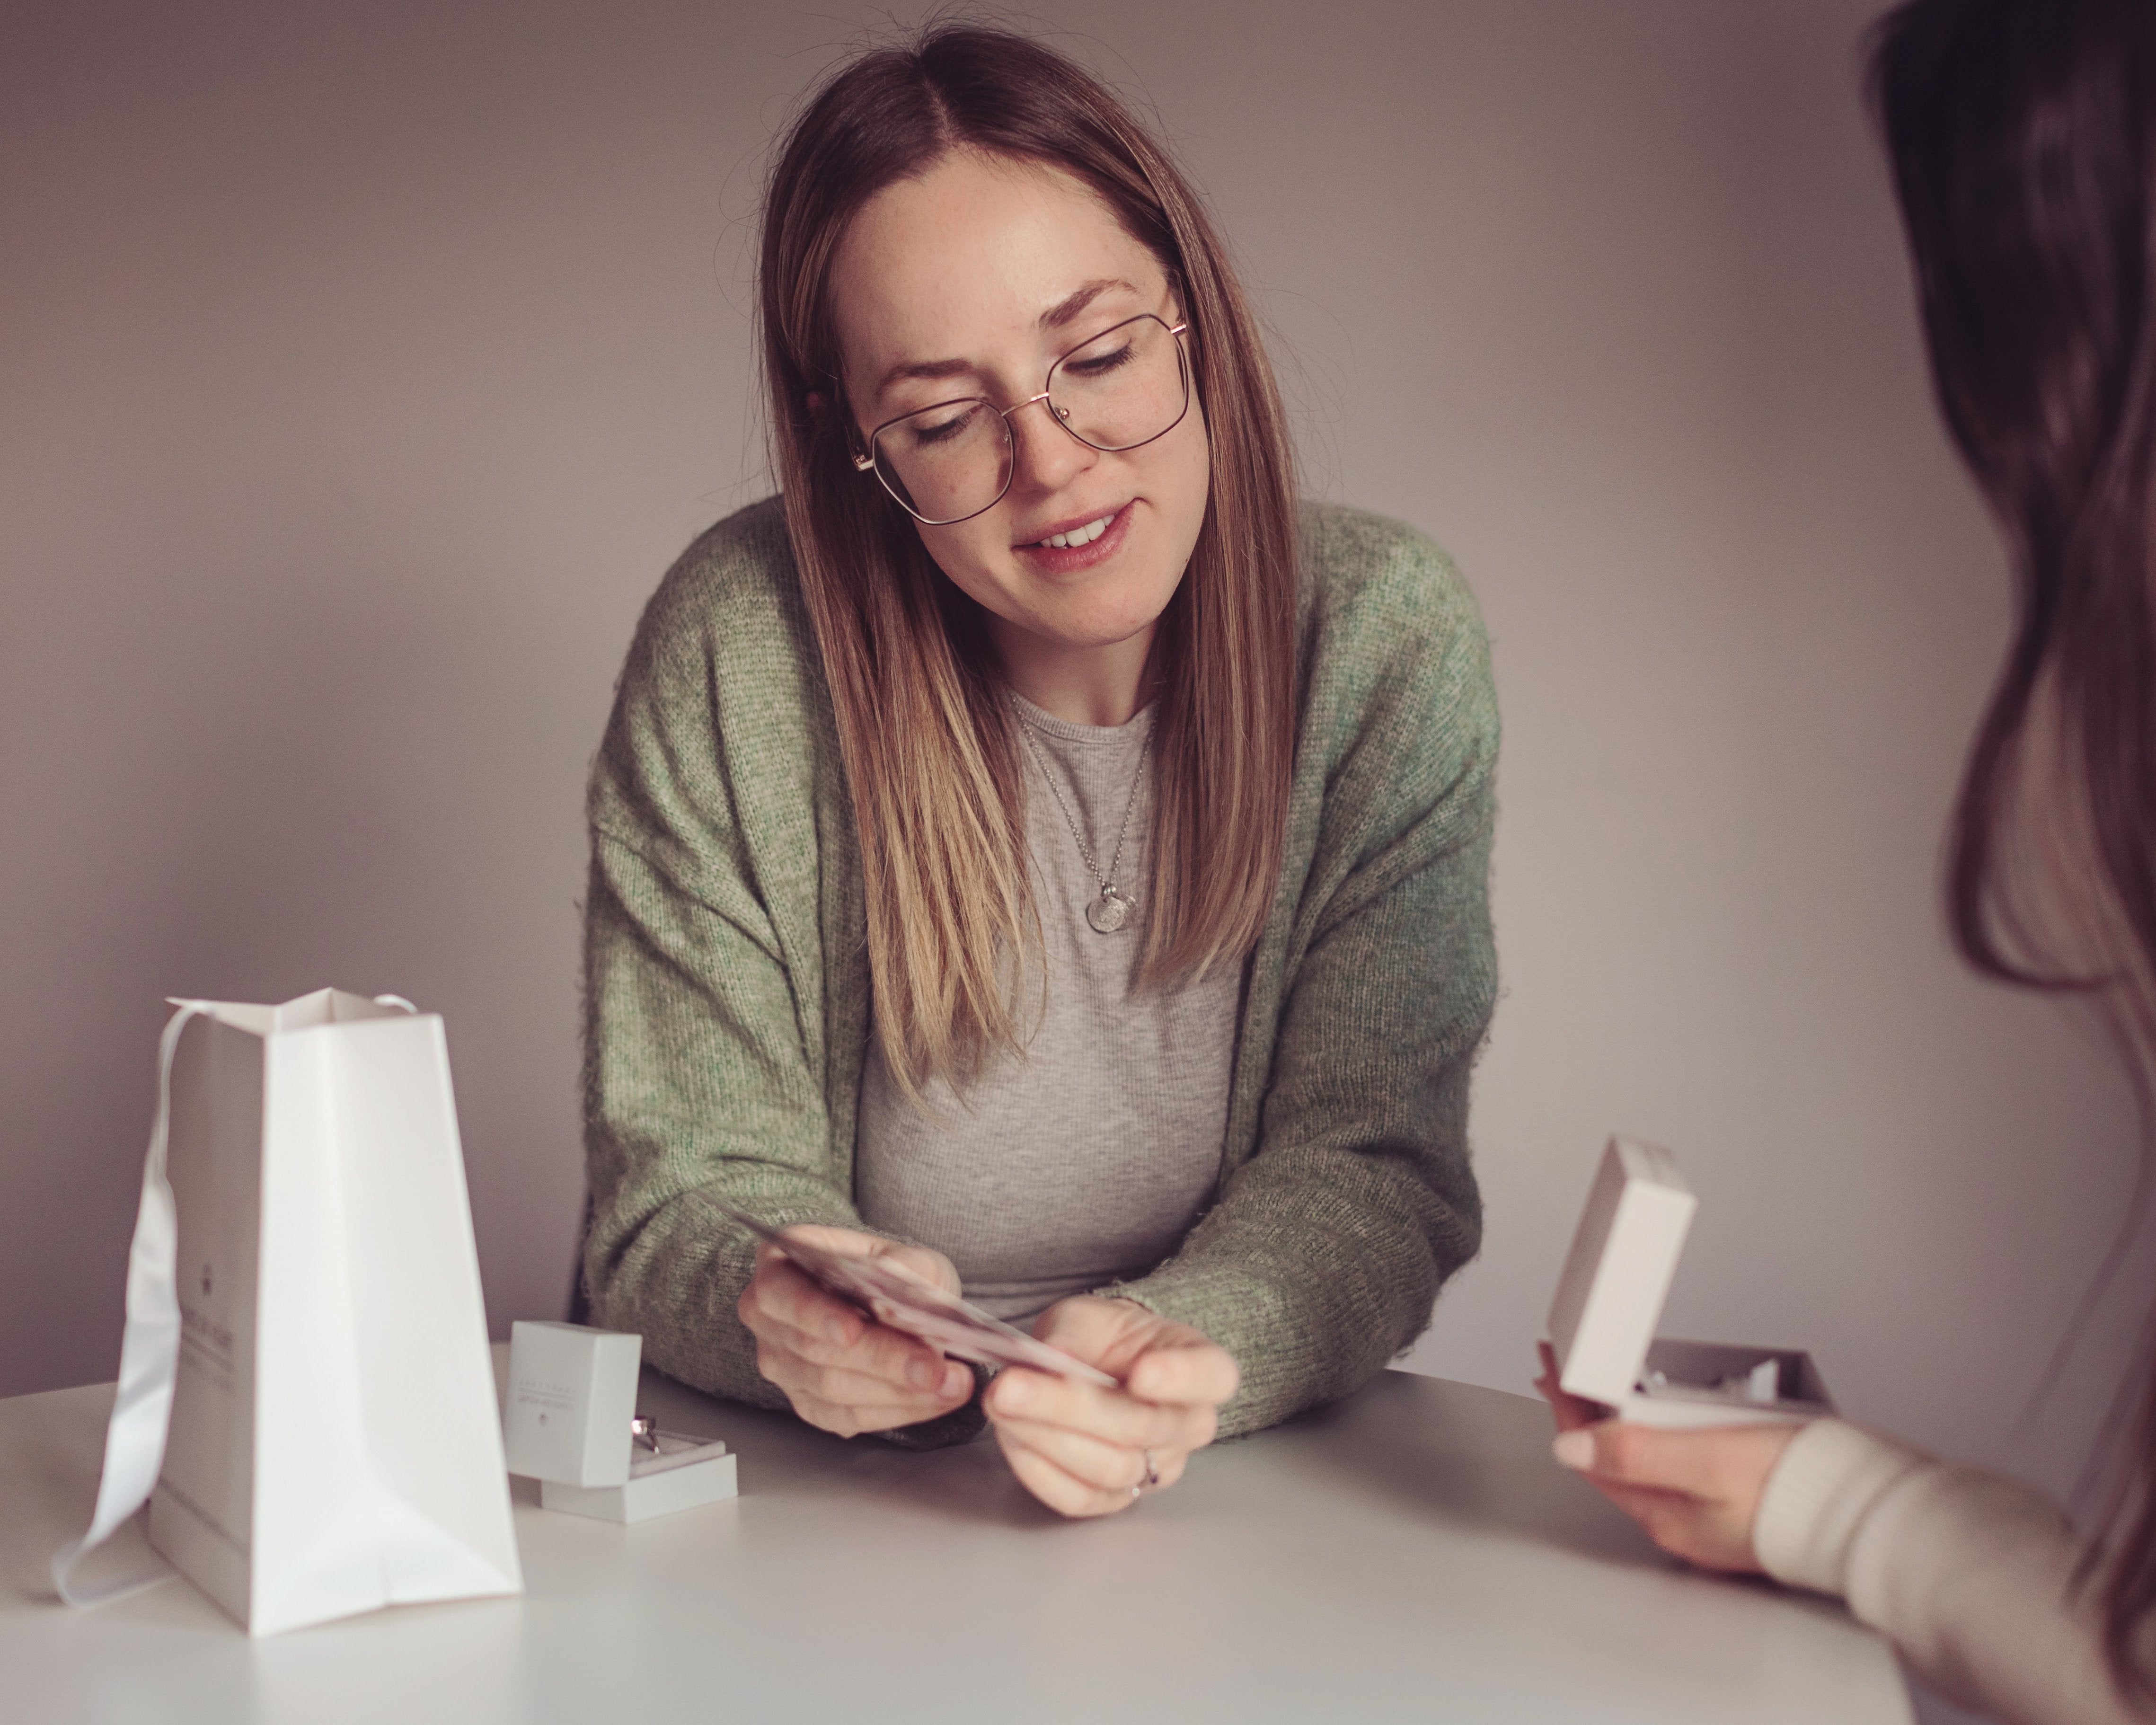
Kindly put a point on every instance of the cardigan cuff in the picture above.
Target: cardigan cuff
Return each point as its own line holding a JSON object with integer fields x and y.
{"x": 1825, "y": 1483}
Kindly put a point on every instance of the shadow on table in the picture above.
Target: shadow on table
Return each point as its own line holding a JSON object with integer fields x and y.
{"x": 50, "y": 1503}
{"x": 1472, "y": 1458}
{"x": 780, "y": 1453}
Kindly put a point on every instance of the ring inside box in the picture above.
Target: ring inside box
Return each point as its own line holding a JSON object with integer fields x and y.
{"x": 1717, "y": 1374}
{"x": 675, "y": 1450}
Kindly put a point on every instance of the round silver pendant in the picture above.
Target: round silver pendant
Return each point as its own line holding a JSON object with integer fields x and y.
{"x": 1108, "y": 912}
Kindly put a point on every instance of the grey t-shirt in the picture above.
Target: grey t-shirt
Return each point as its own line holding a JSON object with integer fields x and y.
{"x": 1087, "y": 1158}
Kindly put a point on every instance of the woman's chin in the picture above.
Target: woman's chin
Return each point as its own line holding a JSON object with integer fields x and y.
{"x": 1106, "y": 616}
{"x": 1089, "y": 634}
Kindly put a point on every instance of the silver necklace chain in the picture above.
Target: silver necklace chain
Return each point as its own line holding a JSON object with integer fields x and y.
{"x": 1112, "y": 909}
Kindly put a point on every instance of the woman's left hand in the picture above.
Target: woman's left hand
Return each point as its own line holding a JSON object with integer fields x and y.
{"x": 1081, "y": 1449}
{"x": 1695, "y": 1491}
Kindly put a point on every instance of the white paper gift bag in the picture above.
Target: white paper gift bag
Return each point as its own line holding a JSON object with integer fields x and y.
{"x": 307, "y": 1399}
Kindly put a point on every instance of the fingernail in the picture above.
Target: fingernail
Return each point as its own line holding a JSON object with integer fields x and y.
{"x": 1574, "y": 1450}
{"x": 924, "y": 1373}
{"x": 957, "y": 1381}
{"x": 1013, "y": 1394}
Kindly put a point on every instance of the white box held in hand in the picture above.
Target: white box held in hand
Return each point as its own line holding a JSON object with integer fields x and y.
{"x": 1609, "y": 1299}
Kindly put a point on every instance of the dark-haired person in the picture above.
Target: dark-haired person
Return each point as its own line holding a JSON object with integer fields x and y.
{"x": 2023, "y": 138}
{"x": 1034, "y": 848}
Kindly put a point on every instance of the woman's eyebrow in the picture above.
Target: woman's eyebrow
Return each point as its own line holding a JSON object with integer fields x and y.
{"x": 931, "y": 368}
{"x": 1071, "y": 305}
{"x": 1065, "y": 310}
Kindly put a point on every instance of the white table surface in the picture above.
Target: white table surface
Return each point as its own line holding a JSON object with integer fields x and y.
{"x": 1412, "y": 1553}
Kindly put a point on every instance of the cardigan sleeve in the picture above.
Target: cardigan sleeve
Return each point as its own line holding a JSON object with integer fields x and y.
{"x": 1971, "y": 1575}
{"x": 703, "y": 1049}
{"x": 1323, "y": 1254}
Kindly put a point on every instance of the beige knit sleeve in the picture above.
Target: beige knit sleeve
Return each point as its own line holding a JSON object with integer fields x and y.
{"x": 1969, "y": 1574}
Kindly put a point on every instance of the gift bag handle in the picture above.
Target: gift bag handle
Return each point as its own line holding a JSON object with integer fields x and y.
{"x": 149, "y": 1359}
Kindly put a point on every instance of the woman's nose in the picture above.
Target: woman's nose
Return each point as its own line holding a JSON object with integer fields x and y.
{"x": 1048, "y": 457}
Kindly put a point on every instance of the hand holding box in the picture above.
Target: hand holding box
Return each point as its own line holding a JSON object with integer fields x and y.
{"x": 1609, "y": 1299}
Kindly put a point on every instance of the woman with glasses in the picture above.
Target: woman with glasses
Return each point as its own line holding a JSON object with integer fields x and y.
{"x": 1034, "y": 849}
{"x": 2022, "y": 135}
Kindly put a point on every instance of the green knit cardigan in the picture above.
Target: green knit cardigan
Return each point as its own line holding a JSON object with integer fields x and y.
{"x": 727, "y": 986}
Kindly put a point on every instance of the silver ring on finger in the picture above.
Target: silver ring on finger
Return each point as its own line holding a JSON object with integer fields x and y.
{"x": 1152, "y": 1479}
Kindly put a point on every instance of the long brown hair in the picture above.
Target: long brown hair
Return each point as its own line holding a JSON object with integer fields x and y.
{"x": 922, "y": 723}
{"x": 2023, "y": 138}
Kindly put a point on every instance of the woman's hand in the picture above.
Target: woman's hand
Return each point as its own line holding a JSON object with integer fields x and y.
{"x": 1697, "y": 1491}
{"x": 841, "y": 1369}
{"x": 1081, "y": 1449}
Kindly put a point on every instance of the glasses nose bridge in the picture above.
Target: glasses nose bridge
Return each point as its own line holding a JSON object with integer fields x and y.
{"x": 1054, "y": 417}
{"x": 1019, "y": 452}
{"x": 1017, "y": 407}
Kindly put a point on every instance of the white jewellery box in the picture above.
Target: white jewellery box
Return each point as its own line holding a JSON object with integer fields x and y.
{"x": 569, "y": 1421}
{"x": 1609, "y": 1299}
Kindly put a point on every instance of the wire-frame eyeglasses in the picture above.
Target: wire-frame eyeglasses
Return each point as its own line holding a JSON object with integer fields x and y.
{"x": 1115, "y": 391}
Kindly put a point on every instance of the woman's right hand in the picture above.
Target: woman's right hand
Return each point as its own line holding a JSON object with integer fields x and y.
{"x": 842, "y": 1370}
{"x": 1696, "y": 1492}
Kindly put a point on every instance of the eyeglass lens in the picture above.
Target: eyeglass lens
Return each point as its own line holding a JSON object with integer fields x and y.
{"x": 1124, "y": 386}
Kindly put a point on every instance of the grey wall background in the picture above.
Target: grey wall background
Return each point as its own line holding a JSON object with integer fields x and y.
{"x": 362, "y": 368}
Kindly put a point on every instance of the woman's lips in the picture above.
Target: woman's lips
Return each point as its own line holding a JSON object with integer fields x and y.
{"x": 1070, "y": 559}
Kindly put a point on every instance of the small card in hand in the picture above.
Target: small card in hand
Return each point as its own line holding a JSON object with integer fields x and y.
{"x": 944, "y": 1321}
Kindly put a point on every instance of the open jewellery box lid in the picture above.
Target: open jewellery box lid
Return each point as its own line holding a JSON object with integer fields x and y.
{"x": 1617, "y": 1275}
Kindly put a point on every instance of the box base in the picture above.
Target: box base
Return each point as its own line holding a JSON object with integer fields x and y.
{"x": 1670, "y": 1410}
{"x": 682, "y": 1484}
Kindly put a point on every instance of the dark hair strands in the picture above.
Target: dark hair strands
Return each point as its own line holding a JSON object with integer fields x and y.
{"x": 922, "y": 726}
{"x": 2022, "y": 135}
